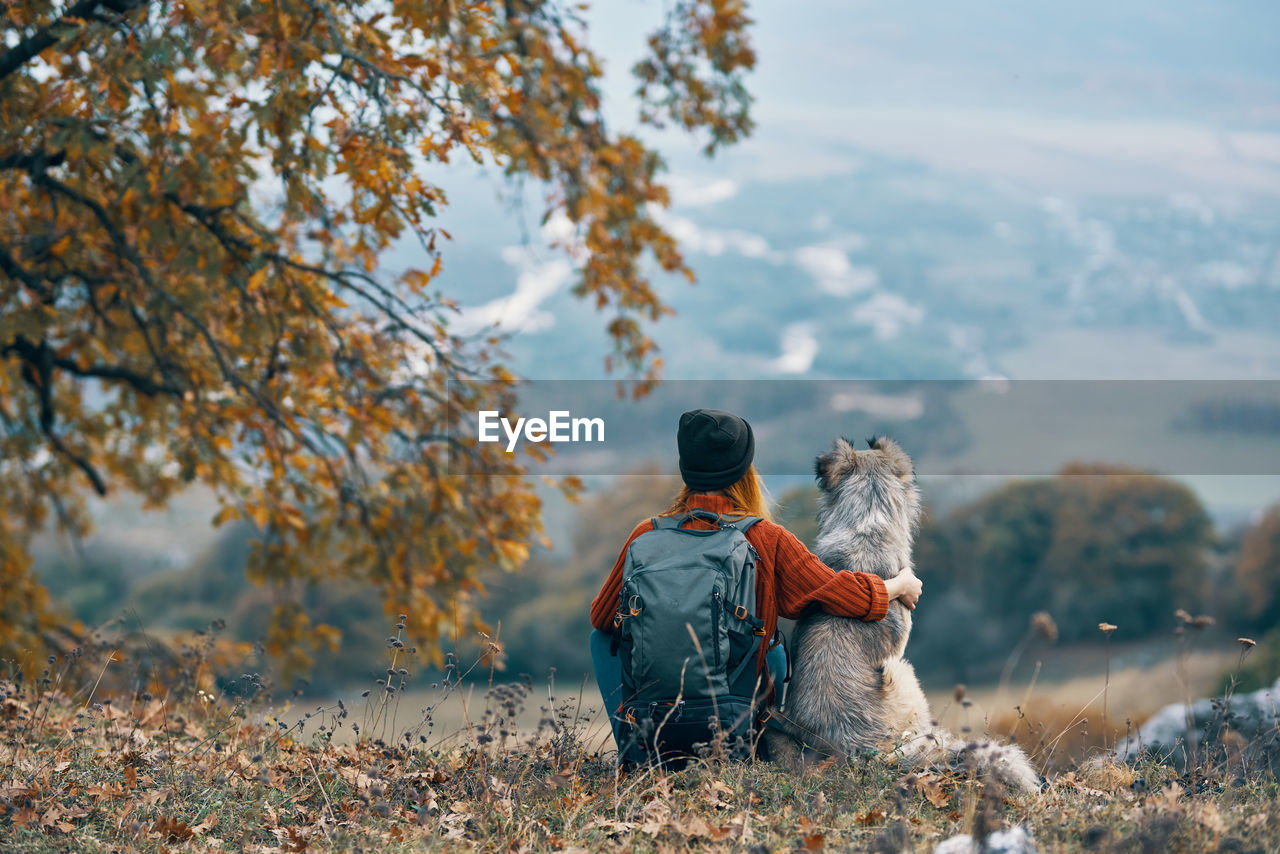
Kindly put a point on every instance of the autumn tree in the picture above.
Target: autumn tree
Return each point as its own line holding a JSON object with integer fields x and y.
{"x": 194, "y": 200}
{"x": 1094, "y": 543}
{"x": 1258, "y": 570}
{"x": 1130, "y": 544}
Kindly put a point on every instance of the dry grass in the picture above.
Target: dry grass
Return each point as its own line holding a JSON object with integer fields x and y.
{"x": 1061, "y": 723}
{"x": 520, "y": 771}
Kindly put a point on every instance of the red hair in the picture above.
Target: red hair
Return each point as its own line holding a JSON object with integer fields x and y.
{"x": 747, "y": 495}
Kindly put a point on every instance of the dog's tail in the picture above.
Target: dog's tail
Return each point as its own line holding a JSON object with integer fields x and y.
{"x": 1007, "y": 763}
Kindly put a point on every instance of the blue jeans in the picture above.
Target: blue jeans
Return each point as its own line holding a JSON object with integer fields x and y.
{"x": 608, "y": 669}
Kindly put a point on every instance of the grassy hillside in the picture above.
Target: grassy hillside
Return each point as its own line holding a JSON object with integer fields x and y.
{"x": 89, "y": 769}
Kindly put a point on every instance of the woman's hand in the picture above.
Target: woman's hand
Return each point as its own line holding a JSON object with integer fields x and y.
{"x": 904, "y": 587}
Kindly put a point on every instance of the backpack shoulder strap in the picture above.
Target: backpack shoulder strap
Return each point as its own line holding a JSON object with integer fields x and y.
{"x": 743, "y": 524}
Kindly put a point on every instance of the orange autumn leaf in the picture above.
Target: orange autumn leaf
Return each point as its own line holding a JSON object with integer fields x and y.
{"x": 814, "y": 841}
{"x": 872, "y": 816}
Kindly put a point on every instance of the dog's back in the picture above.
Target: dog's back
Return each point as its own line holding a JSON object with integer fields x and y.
{"x": 869, "y": 506}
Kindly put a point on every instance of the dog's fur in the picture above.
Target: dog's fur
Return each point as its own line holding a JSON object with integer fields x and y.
{"x": 850, "y": 687}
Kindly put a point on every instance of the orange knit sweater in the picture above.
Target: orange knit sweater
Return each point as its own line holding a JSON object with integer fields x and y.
{"x": 789, "y": 577}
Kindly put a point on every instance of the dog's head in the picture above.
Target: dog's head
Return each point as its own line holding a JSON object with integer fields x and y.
{"x": 883, "y": 459}
{"x": 879, "y": 478}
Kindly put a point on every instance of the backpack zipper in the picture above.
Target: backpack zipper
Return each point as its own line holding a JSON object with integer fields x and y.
{"x": 716, "y": 607}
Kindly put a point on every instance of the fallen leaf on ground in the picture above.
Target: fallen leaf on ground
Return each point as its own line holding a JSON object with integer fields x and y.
{"x": 814, "y": 841}
{"x": 930, "y": 785}
{"x": 171, "y": 829}
{"x": 610, "y": 825}
{"x": 654, "y": 817}
{"x": 206, "y": 823}
{"x": 695, "y": 825}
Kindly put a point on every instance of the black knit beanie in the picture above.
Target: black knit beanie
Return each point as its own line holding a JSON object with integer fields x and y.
{"x": 716, "y": 448}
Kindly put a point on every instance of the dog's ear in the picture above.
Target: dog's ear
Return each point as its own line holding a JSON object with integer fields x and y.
{"x": 828, "y": 467}
{"x": 898, "y": 459}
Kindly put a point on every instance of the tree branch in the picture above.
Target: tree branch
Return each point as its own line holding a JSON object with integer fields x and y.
{"x": 38, "y": 364}
{"x": 30, "y": 47}
{"x": 10, "y": 267}
{"x": 37, "y": 354}
{"x": 37, "y": 162}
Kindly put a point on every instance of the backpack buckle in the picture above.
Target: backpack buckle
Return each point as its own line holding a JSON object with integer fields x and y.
{"x": 740, "y": 612}
{"x": 635, "y": 605}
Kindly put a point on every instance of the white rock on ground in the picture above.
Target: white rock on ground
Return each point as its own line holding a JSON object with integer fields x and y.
{"x": 1255, "y": 717}
{"x": 1010, "y": 840}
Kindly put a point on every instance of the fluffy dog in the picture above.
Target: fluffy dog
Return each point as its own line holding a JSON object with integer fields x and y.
{"x": 850, "y": 687}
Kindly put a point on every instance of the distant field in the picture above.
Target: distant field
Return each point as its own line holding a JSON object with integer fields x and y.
{"x": 1063, "y": 720}
{"x": 1050, "y": 706}
{"x": 451, "y": 714}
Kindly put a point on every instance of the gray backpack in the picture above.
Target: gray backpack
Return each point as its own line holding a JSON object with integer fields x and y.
{"x": 688, "y": 637}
